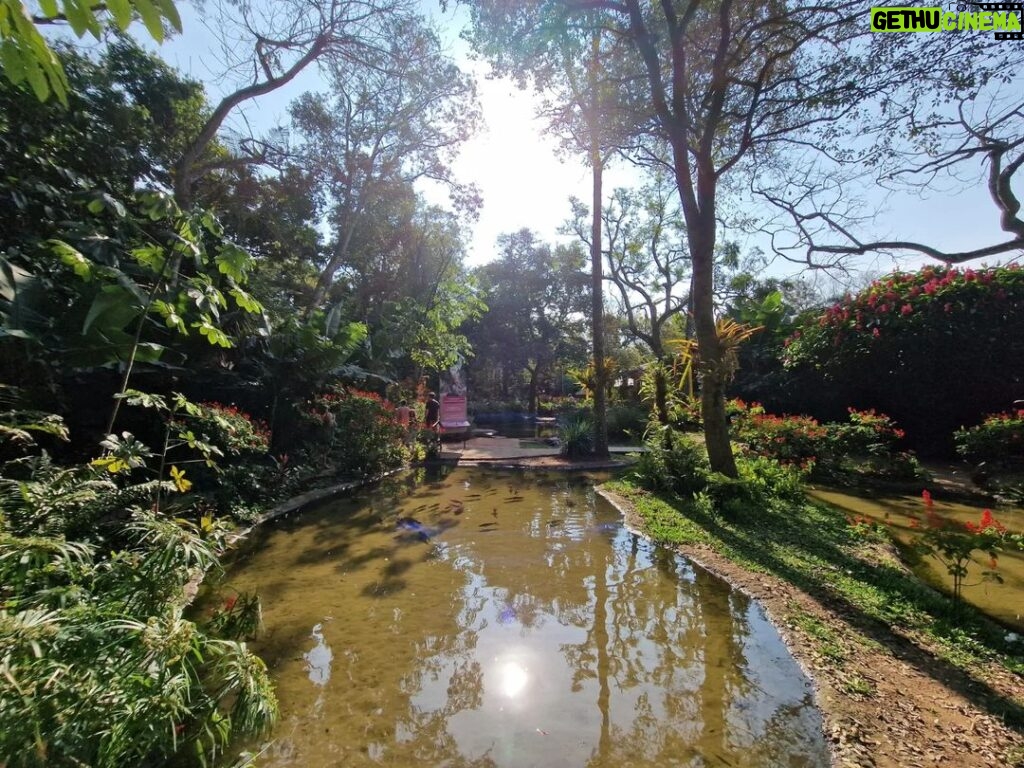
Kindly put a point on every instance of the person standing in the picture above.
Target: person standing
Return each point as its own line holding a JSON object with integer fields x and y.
{"x": 432, "y": 414}
{"x": 403, "y": 415}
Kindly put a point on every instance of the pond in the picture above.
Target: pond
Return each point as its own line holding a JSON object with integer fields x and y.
{"x": 503, "y": 619}
{"x": 1004, "y": 601}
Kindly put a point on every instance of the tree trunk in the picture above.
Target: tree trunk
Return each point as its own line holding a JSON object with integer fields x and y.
{"x": 596, "y": 276}
{"x": 711, "y": 370}
{"x": 532, "y": 397}
{"x": 660, "y": 391}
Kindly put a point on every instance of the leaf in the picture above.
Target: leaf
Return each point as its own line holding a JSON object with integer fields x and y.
{"x": 178, "y": 478}
{"x": 81, "y": 18}
{"x": 143, "y": 399}
{"x": 212, "y": 333}
{"x": 112, "y": 464}
{"x": 182, "y": 403}
{"x": 73, "y": 258}
{"x": 151, "y": 18}
{"x": 10, "y": 59}
{"x": 48, "y": 7}
{"x": 233, "y": 262}
{"x": 170, "y": 13}
{"x": 109, "y": 300}
{"x": 245, "y": 301}
{"x": 121, "y": 10}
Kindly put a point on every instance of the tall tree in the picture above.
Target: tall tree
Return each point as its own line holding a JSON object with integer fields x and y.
{"x": 648, "y": 264}
{"x": 575, "y": 67}
{"x": 722, "y": 82}
{"x": 537, "y": 300}
{"x": 382, "y": 128}
{"x": 267, "y": 43}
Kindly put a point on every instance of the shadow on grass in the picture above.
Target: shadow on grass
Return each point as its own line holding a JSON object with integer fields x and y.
{"x": 807, "y": 549}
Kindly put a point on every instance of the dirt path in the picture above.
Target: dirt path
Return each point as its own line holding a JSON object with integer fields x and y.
{"x": 887, "y": 702}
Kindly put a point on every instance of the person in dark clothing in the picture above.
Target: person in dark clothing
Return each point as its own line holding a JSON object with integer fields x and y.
{"x": 432, "y": 414}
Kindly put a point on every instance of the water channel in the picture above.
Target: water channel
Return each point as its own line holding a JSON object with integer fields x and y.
{"x": 504, "y": 619}
{"x": 902, "y": 512}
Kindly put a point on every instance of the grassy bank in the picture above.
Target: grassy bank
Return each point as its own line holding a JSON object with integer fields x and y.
{"x": 850, "y": 568}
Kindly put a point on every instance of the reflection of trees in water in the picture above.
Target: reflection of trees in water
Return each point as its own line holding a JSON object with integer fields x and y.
{"x": 664, "y": 657}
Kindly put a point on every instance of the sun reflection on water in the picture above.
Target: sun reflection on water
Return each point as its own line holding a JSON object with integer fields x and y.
{"x": 513, "y": 679}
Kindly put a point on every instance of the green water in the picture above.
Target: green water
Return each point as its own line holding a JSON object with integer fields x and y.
{"x": 514, "y": 623}
{"x": 1003, "y": 601}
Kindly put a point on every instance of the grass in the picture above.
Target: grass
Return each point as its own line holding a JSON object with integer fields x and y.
{"x": 813, "y": 546}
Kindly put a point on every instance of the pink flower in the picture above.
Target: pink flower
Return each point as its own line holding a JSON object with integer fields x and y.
{"x": 906, "y": 309}
{"x": 876, "y": 333}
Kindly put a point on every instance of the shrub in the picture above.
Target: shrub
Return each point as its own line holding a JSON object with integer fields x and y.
{"x": 233, "y": 430}
{"x": 865, "y": 445}
{"x": 576, "y": 435}
{"x": 102, "y": 636}
{"x": 358, "y": 430}
{"x": 894, "y": 344}
{"x": 1000, "y": 437}
{"x": 672, "y": 462}
{"x": 626, "y": 420}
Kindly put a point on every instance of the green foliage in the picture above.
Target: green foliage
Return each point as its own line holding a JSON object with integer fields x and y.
{"x": 921, "y": 346}
{"x": 999, "y": 438}
{"x": 26, "y": 57}
{"x": 19, "y": 426}
{"x": 576, "y": 435}
{"x": 626, "y": 420}
{"x": 100, "y": 634}
{"x": 358, "y": 431}
{"x": 867, "y": 445}
{"x": 672, "y": 463}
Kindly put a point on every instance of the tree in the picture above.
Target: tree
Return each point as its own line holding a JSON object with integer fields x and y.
{"x": 381, "y": 129}
{"x": 648, "y": 263}
{"x": 284, "y": 37}
{"x": 952, "y": 119}
{"x": 574, "y": 66}
{"x": 537, "y": 298}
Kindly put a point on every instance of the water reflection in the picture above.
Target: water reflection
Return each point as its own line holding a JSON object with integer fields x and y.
{"x": 318, "y": 659}
{"x": 528, "y": 629}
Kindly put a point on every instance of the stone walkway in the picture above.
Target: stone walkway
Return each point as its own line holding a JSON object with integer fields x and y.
{"x": 507, "y": 448}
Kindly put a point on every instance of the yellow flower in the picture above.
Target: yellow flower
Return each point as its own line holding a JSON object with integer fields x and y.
{"x": 178, "y": 476}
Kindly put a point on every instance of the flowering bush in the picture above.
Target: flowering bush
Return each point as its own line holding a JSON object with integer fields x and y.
{"x": 936, "y": 348}
{"x": 824, "y": 449}
{"x": 232, "y": 429}
{"x": 358, "y": 429}
{"x": 905, "y": 302}
{"x": 1000, "y": 437}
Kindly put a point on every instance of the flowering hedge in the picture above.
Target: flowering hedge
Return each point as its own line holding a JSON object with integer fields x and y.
{"x": 909, "y": 302}
{"x": 358, "y": 429}
{"x": 868, "y": 443}
{"x": 935, "y": 348}
{"x": 1000, "y": 437}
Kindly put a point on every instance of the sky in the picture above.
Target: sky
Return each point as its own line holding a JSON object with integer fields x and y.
{"x": 526, "y": 182}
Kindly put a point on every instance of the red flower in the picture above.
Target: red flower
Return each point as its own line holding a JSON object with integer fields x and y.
{"x": 906, "y": 309}
{"x": 876, "y": 333}
{"x": 927, "y": 496}
{"x": 229, "y": 603}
